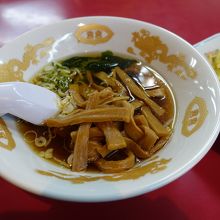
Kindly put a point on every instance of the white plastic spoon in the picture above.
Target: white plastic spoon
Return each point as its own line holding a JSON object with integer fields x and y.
{"x": 28, "y": 101}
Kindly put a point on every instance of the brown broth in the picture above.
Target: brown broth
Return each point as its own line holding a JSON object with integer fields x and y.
{"x": 148, "y": 77}
{"x": 56, "y": 144}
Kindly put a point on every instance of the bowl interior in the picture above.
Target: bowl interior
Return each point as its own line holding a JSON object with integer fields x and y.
{"x": 193, "y": 83}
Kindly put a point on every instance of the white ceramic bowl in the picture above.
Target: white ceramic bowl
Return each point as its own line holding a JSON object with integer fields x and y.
{"x": 188, "y": 73}
{"x": 210, "y": 44}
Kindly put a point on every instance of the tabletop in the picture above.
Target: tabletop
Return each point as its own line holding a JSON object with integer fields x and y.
{"x": 195, "y": 195}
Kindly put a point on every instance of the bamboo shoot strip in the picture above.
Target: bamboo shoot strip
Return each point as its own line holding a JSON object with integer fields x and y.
{"x": 80, "y": 155}
{"x": 74, "y": 90}
{"x": 136, "y": 149}
{"x": 111, "y": 81}
{"x": 139, "y": 92}
{"x": 103, "y": 151}
{"x": 113, "y": 137}
{"x": 154, "y": 123}
{"x": 93, "y": 155}
{"x": 137, "y": 104}
{"x": 149, "y": 138}
{"x": 140, "y": 120}
{"x": 116, "y": 166}
{"x": 160, "y": 143}
{"x": 93, "y": 132}
{"x": 105, "y": 78}
{"x": 80, "y": 152}
{"x": 93, "y": 115}
{"x": 132, "y": 130}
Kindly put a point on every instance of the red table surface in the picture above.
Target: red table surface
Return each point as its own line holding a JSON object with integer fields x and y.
{"x": 196, "y": 195}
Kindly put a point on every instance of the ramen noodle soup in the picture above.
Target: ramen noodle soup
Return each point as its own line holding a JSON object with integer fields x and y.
{"x": 115, "y": 112}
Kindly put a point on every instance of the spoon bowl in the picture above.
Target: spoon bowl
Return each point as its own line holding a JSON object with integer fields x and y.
{"x": 27, "y": 101}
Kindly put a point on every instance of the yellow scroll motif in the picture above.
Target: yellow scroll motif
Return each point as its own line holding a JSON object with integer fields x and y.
{"x": 152, "y": 48}
{"x": 14, "y": 68}
{"x": 195, "y": 116}
{"x": 93, "y": 34}
{"x": 155, "y": 165}
{"x": 6, "y": 139}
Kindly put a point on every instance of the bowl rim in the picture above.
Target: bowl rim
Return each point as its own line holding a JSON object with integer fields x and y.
{"x": 141, "y": 190}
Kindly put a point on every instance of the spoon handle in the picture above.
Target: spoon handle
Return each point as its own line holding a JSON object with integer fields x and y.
{"x": 6, "y": 95}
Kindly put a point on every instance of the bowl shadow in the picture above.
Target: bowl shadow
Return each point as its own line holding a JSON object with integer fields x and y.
{"x": 216, "y": 145}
